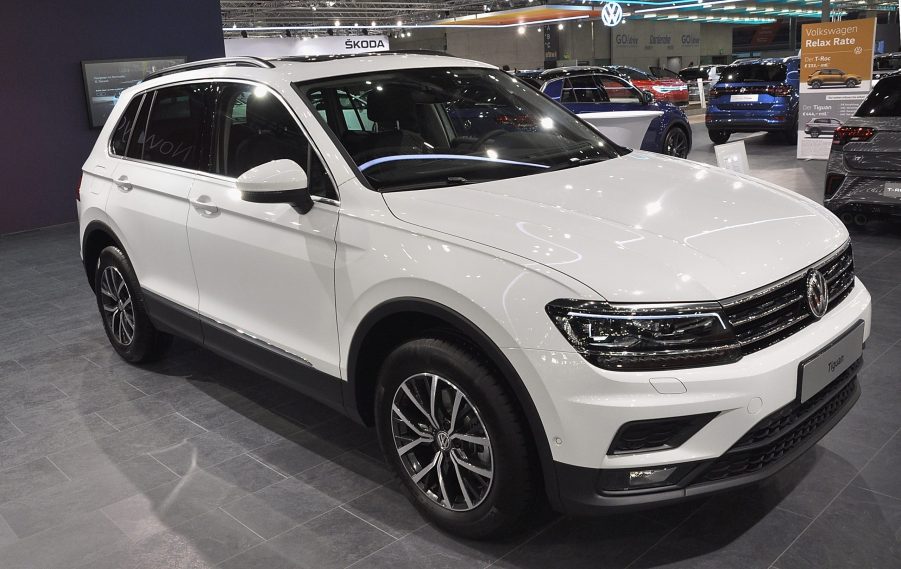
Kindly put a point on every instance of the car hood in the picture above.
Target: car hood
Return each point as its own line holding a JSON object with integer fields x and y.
{"x": 639, "y": 228}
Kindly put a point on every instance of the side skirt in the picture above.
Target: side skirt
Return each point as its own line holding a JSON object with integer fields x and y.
{"x": 245, "y": 350}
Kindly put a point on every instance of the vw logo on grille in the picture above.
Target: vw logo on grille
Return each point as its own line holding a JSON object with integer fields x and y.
{"x": 817, "y": 293}
{"x": 612, "y": 14}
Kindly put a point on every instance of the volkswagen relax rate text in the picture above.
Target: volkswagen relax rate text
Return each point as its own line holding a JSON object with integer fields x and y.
{"x": 519, "y": 307}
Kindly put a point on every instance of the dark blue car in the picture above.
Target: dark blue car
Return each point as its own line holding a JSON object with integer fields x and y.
{"x": 754, "y": 96}
{"x": 625, "y": 114}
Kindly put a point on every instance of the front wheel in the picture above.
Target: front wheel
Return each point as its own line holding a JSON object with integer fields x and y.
{"x": 452, "y": 433}
{"x": 719, "y": 136}
{"x": 121, "y": 306}
{"x": 816, "y": 84}
{"x": 814, "y": 132}
{"x": 676, "y": 143}
{"x": 852, "y": 83}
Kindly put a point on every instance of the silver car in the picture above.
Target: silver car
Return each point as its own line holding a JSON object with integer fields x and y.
{"x": 863, "y": 177}
{"x": 816, "y": 127}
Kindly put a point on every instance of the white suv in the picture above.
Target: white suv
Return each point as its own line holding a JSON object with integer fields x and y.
{"x": 519, "y": 306}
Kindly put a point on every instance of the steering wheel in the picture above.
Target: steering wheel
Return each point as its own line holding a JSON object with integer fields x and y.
{"x": 487, "y": 136}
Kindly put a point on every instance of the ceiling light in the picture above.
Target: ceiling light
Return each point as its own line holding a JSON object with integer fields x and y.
{"x": 337, "y": 23}
{"x": 399, "y": 23}
{"x": 559, "y": 26}
{"x": 522, "y": 30}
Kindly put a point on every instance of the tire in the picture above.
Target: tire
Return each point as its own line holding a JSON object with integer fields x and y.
{"x": 790, "y": 136}
{"x": 676, "y": 142}
{"x": 851, "y": 83}
{"x": 814, "y": 133}
{"x": 719, "y": 136}
{"x": 491, "y": 506}
{"x": 816, "y": 84}
{"x": 122, "y": 309}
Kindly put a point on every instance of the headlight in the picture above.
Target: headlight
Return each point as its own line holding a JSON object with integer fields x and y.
{"x": 646, "y": 337}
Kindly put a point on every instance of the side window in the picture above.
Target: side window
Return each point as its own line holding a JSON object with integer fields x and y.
{"x": 173, "y": 128}
{"x": 353, "y": 107}
{"x": 252, "y": 127}
{"x": 582, "y": 90}
{"x": 120, "y": 136}
{"x": 618, "y": 91}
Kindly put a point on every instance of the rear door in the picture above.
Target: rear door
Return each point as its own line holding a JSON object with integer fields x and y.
{"x": 149, "y": 201}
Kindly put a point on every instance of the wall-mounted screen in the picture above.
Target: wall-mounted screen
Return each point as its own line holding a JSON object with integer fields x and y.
{"x": 105, "y": 79}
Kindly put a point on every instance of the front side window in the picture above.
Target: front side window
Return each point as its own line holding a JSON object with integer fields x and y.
{"x": 125, "y": 127}
{"x": 441, "y": 127}
{"x": 618, "y": 91}
{"x": 252, "y": 127}
{"x": 170, "y": 131}
{"x": 581, "y": 89}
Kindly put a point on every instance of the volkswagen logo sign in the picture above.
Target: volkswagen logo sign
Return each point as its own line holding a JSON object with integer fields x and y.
{"x": 612, "y": 14}
{"x": 817, "y": 294}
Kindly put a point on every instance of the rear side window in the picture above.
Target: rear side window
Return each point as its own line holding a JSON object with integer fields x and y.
{"x": 884, "y": 100}
{"x": 619, "y": 91}
{"x": 120, "y": 136}
{"x": 755, "y": 73}
{"x": 174, "y": 127}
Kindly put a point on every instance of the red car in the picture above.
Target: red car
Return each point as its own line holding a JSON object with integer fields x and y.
{"x": 670, "y": 90}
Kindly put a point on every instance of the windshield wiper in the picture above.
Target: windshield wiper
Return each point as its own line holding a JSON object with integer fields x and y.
{"x": 448, "y": 182}
{"x": 573, "y": 162}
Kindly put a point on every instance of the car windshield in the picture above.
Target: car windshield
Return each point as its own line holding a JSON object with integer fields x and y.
{"x": 883, "y": 101}
{"x": 754, "y": 73}
{"x": 663, "y": 73}
{"x": 436, "y": 127}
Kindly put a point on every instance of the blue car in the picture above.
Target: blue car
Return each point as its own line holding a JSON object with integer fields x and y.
{"x": 754, "y": 96}
{"x": 622, "y": 112}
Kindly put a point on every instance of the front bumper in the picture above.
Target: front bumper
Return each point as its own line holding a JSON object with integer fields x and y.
{"x": 586, "y": 406}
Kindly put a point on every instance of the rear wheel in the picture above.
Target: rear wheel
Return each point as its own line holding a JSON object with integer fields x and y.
{"x": 852, "y": 83}
{"x": 719, "y": 136}
{"x": 121, "y": 306}
{"x": 676, "y": 143}
{"x": 790, "y": 135}
{"x": 453, "y": 435}
{"x": 814, "y": 132}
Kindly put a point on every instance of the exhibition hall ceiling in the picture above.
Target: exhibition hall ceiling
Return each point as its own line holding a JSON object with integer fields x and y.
{"x": 305, "y": 17}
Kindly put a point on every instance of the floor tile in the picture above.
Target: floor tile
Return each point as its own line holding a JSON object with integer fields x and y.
{"x": 26, "y": 479}
{"x": 859, "y": 529}
{"x": 388, "y": 509}
{"x": 332, "y": 541}
{"x": 281, "y": 506}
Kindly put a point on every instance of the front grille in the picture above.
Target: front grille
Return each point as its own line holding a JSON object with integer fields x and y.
{"x": 784, "y": 430}
{"x": 773, "y": 313}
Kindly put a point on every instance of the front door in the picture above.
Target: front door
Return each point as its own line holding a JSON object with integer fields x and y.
{"x": 266, "y": 273}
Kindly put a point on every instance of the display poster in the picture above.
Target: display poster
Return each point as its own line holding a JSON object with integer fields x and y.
{"x": 105, "y": 80}
{"x": 836, "y": 75}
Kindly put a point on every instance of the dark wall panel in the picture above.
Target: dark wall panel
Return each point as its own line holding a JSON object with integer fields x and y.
{"x": 44, "y": 132}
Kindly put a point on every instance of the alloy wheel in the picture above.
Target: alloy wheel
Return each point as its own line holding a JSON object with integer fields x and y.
{"x": 676, "y": 143}
{"x": 118, "y": 306}
{"x": 442, "y": 442}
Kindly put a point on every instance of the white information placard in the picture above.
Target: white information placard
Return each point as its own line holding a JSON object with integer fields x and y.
{"x": 733, "y": 156}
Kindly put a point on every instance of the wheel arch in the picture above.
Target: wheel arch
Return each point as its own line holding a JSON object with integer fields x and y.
{"x": 97, "y": 236}
{"x": 392, "y": 322}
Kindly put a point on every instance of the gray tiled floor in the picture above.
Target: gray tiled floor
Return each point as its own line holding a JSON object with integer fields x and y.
{"x": 194, "y": 462}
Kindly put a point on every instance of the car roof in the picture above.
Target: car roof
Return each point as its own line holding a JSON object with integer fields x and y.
{"x": 282, "y": 71}
{"x": 585, "y": 72}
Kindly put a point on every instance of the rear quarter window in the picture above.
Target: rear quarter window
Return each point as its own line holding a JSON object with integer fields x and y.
{"x": 884, "y": 100}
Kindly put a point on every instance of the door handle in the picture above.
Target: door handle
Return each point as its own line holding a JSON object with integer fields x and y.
{"x": 205, "y": 206}
{"x": 123, "y": 184}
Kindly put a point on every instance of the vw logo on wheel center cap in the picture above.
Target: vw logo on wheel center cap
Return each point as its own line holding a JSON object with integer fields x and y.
{"x": 443, "y": 440}
{"x": 817, "y": 293}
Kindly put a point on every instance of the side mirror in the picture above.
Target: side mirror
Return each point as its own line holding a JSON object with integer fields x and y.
{"x": 648, "y": 97}
{"x": 278, "y": 181}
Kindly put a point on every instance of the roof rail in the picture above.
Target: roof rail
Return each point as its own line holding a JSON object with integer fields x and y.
{"x": 236, "y": 61}
{"x": 331, "y": 57}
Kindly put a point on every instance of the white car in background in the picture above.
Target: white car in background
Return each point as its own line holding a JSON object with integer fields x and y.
{"x": 519, "y": 307}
